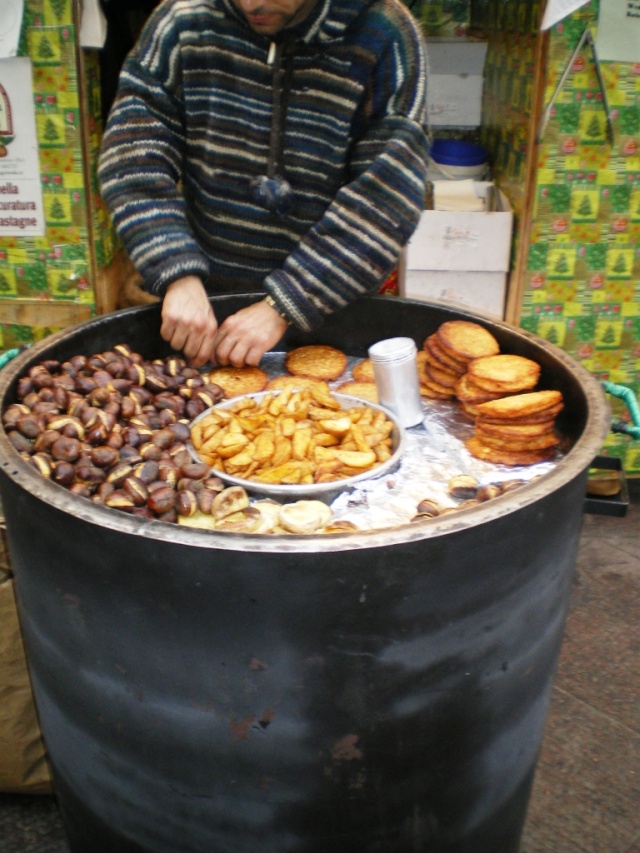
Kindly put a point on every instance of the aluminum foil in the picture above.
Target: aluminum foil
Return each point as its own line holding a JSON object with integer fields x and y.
{"x": 434, "y": 453}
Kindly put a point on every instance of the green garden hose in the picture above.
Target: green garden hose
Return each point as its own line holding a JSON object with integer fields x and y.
{"x": 631, "y": 401}
{"x": 7, "y": 355}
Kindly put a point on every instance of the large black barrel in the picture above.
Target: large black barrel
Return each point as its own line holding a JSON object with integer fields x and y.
{"x": 365, "y": 693}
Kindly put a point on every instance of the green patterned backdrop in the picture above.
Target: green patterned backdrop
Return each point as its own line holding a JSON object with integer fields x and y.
{"x": 581, "y": 286}
{"x": 51, "y": 276}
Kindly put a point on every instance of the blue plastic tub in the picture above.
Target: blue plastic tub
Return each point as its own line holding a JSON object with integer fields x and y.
{"x": 457, "y": 152}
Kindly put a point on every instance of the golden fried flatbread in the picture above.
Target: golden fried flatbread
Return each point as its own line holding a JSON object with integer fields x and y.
{"x": 365, "y": 390}
{"x": 505, "y": 457}
{"x": 504, "y": 373}
{"x": 520, "y": 405}
{"x": 236, "y": 381}
{"x": 441, "y": 375}
{"x": 427, "y": 361}
{"x": 297, "y": 383}
{"x": 540, "y": 442}
{"x": 429, "y": 388}
{"x": 363, "y": 371}
{"x": 433, "y": 346}
{"x": 319, "y": 361}
{"x": 470, "y": 409}
{"x": 508, "y": 429}
{"x": 464, "y": 340}
{"x": 468, "y": 392}
{"x": 421, "y": 362}
{"x": 535, "y": 418}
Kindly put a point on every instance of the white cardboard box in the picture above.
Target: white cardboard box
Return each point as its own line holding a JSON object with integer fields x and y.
{"x": 455, "y": 82}
{"x": 484, "y": 292}
{"x": 460, "y": 257}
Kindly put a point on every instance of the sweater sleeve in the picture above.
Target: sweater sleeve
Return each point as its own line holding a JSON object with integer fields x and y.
{"x": 357, "y": 242}
{"x": 140, "y": 161}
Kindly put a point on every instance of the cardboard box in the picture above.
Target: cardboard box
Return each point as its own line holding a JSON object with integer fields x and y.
{"x": 461, "y": 258}
{"x": 484, "y": 292}
{"x": 455, "y": 82}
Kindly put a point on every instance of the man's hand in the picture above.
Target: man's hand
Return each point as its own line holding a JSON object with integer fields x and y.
{"x": 188, "y": 321}
{"x": 244, "y": 337}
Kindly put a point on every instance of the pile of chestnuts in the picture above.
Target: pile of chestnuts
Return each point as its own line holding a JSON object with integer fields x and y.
{"x": 113, "y": 428}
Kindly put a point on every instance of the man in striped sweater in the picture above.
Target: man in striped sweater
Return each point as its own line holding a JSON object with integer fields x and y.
{"x": 266, "y": 145}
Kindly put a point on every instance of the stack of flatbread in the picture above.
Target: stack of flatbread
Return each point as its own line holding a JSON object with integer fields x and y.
{"x": 518, "y": 429}
{"x": 514, "y": 424}
{"x": 494, "y": 377}
{"x": 448, "y": 353}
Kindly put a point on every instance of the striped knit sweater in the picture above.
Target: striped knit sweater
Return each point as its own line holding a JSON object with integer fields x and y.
{"x": 191, "y": 128}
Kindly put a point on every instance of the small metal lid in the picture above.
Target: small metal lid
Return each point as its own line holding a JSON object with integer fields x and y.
{"x": 392, "y": 350}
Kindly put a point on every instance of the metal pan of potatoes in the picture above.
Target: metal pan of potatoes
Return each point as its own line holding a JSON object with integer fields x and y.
{"x": 297, "y": 443}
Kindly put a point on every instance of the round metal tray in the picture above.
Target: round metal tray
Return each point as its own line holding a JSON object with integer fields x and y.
{"x": 321, "y": 491}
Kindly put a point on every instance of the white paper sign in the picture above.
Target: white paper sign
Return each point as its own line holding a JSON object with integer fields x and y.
{"x": 21, "y": 206}
{"x": 93, "y": 29}
{"x": 10, "y": 23}
{"x": 556, "y": 10}
{"x": 618, "y": 37}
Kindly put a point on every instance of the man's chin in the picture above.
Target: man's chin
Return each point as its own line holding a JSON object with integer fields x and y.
{"x": 266, "y": 25}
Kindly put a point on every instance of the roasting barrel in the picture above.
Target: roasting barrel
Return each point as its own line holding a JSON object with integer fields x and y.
{"x": 380, "y": 692}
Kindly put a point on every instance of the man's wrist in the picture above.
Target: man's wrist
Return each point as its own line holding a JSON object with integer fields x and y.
{"x": 273, "y": 304}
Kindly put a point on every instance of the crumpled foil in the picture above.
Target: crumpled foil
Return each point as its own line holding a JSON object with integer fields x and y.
{"x": 434, "y": 453}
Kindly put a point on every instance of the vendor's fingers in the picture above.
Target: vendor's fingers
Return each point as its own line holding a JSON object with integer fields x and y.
{"x": 239, "y": 354}
{"x": 244, "y": 337}
{"x": 236, "y": 350}
{"x": 195, "y": 342}
{"x": 175, "y": 335}
{"x": 194, "y": 339}
{"x": 197, "y": 326}
{"x": 253, "y": 356}
{"x": 188, "y": 322}
{"x": 171, "y": 328}
{"x": 205, "y": 353}
{"x": 198, "y": 349}
{"x": 223, "y": 346}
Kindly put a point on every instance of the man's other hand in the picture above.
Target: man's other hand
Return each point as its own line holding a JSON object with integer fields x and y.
{"x": 244, "y": 337}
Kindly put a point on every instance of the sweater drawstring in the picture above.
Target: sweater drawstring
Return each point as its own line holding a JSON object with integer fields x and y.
{"x": 273, "y": 191}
